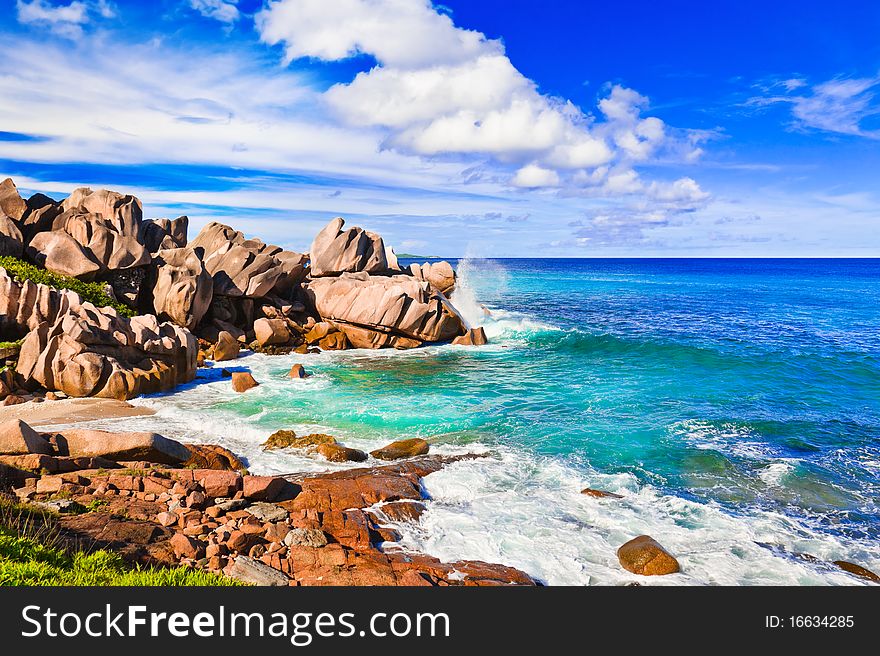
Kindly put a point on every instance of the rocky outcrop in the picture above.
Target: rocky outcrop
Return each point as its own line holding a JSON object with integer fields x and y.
{"x": 91, "y": 352}
{"x": 243, "y": 267}
{"x": 17, "y": 438}
{"x": 182, "y": 288}
{"x": 644, "y": 555}
{"x": 335, "y": 251}
{"x": 378, "y": 311}
{"x": 242, "y": 381}
{"x": 90, "y": 233}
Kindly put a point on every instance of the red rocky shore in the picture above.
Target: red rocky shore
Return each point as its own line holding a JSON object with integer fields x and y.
{"x": 158, "y": 502}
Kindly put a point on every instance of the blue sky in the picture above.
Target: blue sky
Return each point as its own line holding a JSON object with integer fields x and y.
{"x": 491, "y": 128}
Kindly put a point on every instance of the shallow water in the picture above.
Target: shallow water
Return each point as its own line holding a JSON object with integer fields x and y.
{"x": 734, "y": 403}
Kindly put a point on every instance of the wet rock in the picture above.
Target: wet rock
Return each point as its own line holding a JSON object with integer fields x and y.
{"x": 242, "y": 381}
{"x": 600, "y": 494}
{"x": 297, "y": 371}
{"x": 339, "y": 453}
{"x": 643, "y": 555}
{"x": 402, "y": 449}
{"x": 282, "y": 439}
{"x": 473, "y": 337}
{"x": 402, "y": 511}
{"x": 857, "y": 570}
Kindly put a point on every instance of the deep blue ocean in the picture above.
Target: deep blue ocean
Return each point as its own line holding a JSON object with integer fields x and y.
{"x": 735, "y": 404}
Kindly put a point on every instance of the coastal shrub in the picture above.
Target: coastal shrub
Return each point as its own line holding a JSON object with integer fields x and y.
{"x": 33, "y": 553}
{"x": 90, "y": 291}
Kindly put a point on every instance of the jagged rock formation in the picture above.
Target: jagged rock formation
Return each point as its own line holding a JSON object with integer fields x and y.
{"x": 349, "y": 292}
{"x": 181, "y": 287}
{"x": 92, "y": 352}
{"x": 335, "y": 251}
{"x": 375, "y": 311}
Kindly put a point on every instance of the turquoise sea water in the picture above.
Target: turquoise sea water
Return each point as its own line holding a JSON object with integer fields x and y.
{"x": 735, "y": 404}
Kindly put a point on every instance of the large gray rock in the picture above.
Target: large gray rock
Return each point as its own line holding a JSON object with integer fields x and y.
{"x": 378, "y": 311}
{"x": 18, "y": 438}
{"x": 335, "y": 251}
{"x": 246, "y": 267}
{"x": 254, "y": 572}
{"x": 59, "y": 252}
{"x": 182, "y": 289}
{"x": 11, "y": 203}
{"x": 149, "y": 447}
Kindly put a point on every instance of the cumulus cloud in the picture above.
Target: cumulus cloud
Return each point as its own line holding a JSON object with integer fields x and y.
{"x": 838, "y": 106}
{"x": 65, "y": 20}
{"x": 532, "y": 176}
{"x": 225, "y": 11}
{"x": 440, "y": 90}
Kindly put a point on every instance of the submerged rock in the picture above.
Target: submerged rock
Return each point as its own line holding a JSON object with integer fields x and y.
{"x": 600, "y": 494}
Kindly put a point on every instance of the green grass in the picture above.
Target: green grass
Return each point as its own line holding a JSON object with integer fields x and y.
{"x": 90, "y": 291}
{"x": 33, "y": 553}
{"x": 7, "y": 345}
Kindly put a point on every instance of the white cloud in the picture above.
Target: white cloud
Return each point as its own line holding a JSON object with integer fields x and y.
{"x": 65, "y": 20}
{"x": 532, "y": 176}
{"x": 399, "y": 33}
{"x": 839, "y": 106}
{"x": 440, "y": 90}
{"x": 225, "y": 11}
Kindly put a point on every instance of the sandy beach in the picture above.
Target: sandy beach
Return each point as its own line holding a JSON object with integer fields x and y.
{"x": 70, "y": 411}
